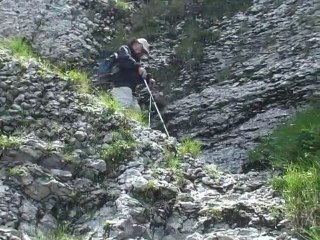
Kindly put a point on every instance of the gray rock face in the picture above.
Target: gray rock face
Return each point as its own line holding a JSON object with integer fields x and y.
{"x": 63, "y": 31}
{"x": 265, "y": 64}
{"x": 56, "y": 173}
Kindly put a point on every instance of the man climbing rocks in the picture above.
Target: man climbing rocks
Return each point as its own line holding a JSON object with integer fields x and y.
{"x": 130, "y": 73}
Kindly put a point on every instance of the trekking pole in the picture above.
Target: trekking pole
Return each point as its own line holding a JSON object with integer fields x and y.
{"x": 150, "y": 104}
{"x": 155, "y": 105}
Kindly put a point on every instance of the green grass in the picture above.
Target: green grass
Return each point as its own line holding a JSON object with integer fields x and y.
{"x": 300, "y": 189}
{"x": 191, "y": 147}
{"x": 313, "y": 233}
{"x": 80, "y": 79}
{"x": 8, "y": 142}
{"x": 294, "y": 148}
{"x": 173, "y": 162}
{"x": 19, "y": 47}
{"x": 22, "y": 50}
{"x": 140, "y": 117}
{"x": 109, "y": 102}
{"x": 186, "y": 147}
{"x": 113, "y": 106}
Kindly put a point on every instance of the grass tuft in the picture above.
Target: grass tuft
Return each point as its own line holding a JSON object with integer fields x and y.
{"x": 19, "y": 47}
{"x": 109, "y": 102}
{"x": 59, "y": 234}
{"x": 300, "y": 189}
{"x": 294, "y": 148}
{"x": 113, "y": 106}
{"x": 191, "y": 147}
{"x": 140, "y": 117}
{"x": 17, "y": 171}
{"x": 7, "y": 142}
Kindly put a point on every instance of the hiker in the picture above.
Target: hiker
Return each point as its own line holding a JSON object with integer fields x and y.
{"x": 130, "y": 73}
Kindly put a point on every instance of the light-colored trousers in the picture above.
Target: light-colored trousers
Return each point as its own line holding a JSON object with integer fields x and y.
{"x": 124, "y": 96}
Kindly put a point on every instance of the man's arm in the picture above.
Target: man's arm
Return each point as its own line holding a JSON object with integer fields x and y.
{"x": 125, "y": 59}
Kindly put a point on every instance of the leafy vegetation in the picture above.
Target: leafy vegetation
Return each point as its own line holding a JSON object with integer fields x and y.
{"x": 300, "y": 188}
{"x": 140, "y": 117}
{"x": 7, "y": 142}
{"x": 294, "y": 148}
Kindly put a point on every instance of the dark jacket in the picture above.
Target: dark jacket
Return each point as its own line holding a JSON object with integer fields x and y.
{"x": 128, "y": 63}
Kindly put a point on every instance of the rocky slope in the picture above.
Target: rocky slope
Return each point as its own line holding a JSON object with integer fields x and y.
{"x": 264, "y": 65}
{"x": 56, "y": 174}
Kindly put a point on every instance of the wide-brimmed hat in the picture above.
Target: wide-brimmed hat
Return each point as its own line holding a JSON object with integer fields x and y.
{"x": 145, "y": 45}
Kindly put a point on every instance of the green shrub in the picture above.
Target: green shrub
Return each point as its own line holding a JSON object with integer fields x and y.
{"x": 7, "y": 142}
{"x": 296, "y": 141}
{"x": 117, "y": 151}
{"x": 19, "y": 47}
{"x": 188, "y": 146}
{"x": 107, "y": 100}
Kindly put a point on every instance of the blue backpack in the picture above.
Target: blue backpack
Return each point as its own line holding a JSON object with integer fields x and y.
{"x": 108, "y": 66}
